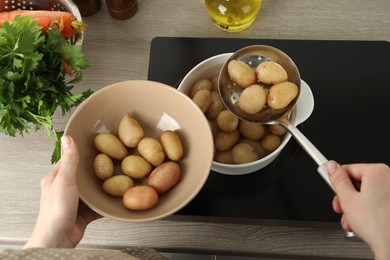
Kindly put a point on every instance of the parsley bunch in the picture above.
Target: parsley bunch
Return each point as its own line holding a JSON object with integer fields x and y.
{"x": 33, "y": 78}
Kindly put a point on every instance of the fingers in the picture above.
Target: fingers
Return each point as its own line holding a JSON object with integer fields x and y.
{"x": 69, "y": 159}
{"x": 341, "y": 181}
{"x": 358, "y": 170}
{"x": 336, "y": 205}
{"x": 48, "y": 179}
{"x": 344, "y": 224}
{"x": 88, "y": 214}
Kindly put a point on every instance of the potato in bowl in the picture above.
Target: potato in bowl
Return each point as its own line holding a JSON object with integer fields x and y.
{"x": 209, "y": 69}
{"x": 158, "y": 107}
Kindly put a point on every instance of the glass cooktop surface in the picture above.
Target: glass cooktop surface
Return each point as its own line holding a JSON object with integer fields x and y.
{"x": 351, "y": 88}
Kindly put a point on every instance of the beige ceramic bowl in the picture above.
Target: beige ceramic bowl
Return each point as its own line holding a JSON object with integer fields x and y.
{"x": 210, "y": 68}
{"x": 157, "y": 107}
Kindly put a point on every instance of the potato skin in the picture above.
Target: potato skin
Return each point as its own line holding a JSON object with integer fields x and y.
{"x": 172, "y": 145}
{"x": 214, "y": 82}
{"x": 277, "y": 130}
{"x": 270, "y": 72}
{"x": 257, "y": 145}
{"x": 136, "y": 166}
{"x": 140, "y": 198}
{"x": 251, "y": 130}
{"x": 252, "y": 99}
{"x": 225, "y": 157}
{"x": 117, "y": 185}
{"x": 152, "y": 150}
{"x": 110, "y": 145}
{"x": 202, "y": 99}
{"x": 103, "y": 166}
{"x": 280, "y": 95}
{"x": 216, "y": 105}
{"x": 224, "y": 141}
{"x": 241, "y": 73}
{"x": 270, "y": 142}
{"x": 227, "y": 121}
{"x": 164, "y": 176}
{"x": 130, "y": 131}
{"x": 244, "y": 153}
{"x": 201, "y": 84}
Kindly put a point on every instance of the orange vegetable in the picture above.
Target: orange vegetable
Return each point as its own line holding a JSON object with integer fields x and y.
{"x": 65, "y": 22}
{"x": 68, "y": 69}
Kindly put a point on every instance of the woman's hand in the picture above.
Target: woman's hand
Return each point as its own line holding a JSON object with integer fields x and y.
{"x": 363, "y": 199}
{"x": 62, "y": 219}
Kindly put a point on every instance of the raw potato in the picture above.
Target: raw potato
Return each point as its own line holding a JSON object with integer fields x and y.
{"x": 151, "y": 150}
{"x": 216, "y": 105}
{"x": 130, "y": 131}
{"x": 203, "y": 99}
{"x": 244, "y": 153}
{"x": 224, "y": 141}
{"x": 117, "y": 185}
{"x": 172, "y": 145}
{"x": 136, "y": 167}
{"x": 270, "y": 142}
{"x": 270, "y": 72}
{"x": 241, "y": 73}
{"x": 280, "y": 95}
{"x": 110, "y": 145}
{"x": 201, "y": 84}
{"x": 140, "y": 198}
{"x": 103, "y": 166}
{"x": 251, "y": 130}
{"x": 227, "y": 121}
{"x": 252, "y": 99}
{"x": 164, "y": 177}
{"x": 225, "y": 157}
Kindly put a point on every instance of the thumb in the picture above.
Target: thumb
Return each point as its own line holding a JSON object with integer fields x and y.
{"x": 69, "y": 158}
{"x": 341, "y": 181}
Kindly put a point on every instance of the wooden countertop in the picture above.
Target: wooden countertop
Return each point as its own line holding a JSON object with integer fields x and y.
{"x": 119, "y": 50}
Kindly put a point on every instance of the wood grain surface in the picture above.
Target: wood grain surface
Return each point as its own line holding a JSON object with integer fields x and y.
{"x": 119, "y": 50}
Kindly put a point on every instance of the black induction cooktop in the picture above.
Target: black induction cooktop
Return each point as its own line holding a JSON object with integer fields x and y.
{"x": 351, "y": 86}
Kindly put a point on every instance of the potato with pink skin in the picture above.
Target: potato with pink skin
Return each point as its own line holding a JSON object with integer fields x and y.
{"x": 140, "y": 198}
{"x": 164, "y": 176}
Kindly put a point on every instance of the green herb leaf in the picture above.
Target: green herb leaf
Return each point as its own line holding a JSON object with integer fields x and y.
{"x": 33, "y": 80}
